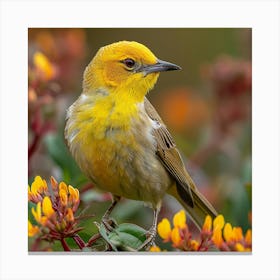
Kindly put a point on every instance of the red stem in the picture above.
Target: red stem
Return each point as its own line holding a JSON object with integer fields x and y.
{"x": 93, "y": 239}
{"x": 79, "y": 241}
{"x": 65, "y": 245}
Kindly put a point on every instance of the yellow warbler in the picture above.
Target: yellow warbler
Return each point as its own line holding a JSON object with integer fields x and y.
{"x": 119, "y": 140}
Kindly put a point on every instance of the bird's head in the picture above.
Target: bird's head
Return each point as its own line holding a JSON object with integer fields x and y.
{"x": 124, "y": 66}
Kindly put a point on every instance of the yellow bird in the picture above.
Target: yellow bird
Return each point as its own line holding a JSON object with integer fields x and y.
{"x": 120, "y": 142}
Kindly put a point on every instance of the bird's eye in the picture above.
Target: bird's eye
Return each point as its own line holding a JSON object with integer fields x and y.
{"x": 129, "y": 63}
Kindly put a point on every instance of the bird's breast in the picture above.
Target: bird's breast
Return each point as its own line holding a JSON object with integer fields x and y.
{"x": 116, "y": 148}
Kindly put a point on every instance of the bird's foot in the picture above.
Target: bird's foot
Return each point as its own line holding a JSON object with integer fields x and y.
{"x": 151, "y": 235}
{"x": 109, "y": 223}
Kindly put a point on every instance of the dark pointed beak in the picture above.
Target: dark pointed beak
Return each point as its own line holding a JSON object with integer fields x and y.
{"x": 160, "y": 66}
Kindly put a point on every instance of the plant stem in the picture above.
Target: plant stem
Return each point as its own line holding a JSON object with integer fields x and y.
{"x": 65, "y": 245}
{"x": 79, "y": 241}
{"x": 93, "y": 239}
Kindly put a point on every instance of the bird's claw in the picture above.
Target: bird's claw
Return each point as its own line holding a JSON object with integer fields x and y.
{"x": 149, "y": 242}
{"x": 109, "y": 223}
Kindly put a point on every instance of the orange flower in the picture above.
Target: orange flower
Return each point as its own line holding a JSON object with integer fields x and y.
{"x": 218, "y": 222}
{"x": 228, "y": 233}
{"x": 239, "y": 247}
{"x": 37, "y": 190}
{"x": 215, "y": 233}
{"x": 32, "y": 230}
{"x": 164, "y": 229}
{"x": 47, "y": 207}
{"x": 43, "y": 66}
{"x": 179, "y": 220}
{"x": 176, "y": 237}
{"x": 155, "y": 249}
{"x": 194, "y": 245}
{"x": 207, "y": 226}
{"x": 217, "y": 237}
{"x": 248, "y": 237}
{"x": 57, "y": 219}
{"x": 238, "y": 235}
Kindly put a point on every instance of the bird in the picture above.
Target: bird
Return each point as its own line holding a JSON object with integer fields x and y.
{"x": 119, "y": 140}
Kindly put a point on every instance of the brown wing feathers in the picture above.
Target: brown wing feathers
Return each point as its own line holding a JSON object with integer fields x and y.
{"x": 170, "y": 157}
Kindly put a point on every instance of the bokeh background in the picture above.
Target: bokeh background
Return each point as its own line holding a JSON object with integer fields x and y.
{"x": 206, "y": 106}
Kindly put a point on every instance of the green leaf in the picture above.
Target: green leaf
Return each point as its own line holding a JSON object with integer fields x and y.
{"x": 105, "y": 234}
{"x": 126, "y": 237}
{"x": 133, "y": 230}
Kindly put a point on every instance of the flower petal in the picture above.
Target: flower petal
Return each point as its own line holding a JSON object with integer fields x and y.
{"x": 69, "y": 216}
{"x": 54, "y": 183}
{"x": 37, "y": 214}
{"x": 42, "y": 63}
{"x": 207, "y": 226}
{"x": 47, "y": 207}
{"x": 63, "y": 186}
{"x": 176, "y": 237}
{"x": 217, "y": 237}
{"x": 239, "y": 247}
{"x": 155, "y": 249}
{"x": 164, "y": 229}
{"x": 63, "y": 197}
{"x": 194, "y": 245}
{"x": 237, "y": 232}
{"x": 32, "y": 230}
{"x": 179, "y": 219}
{"x": 248, "y": 237}
{"x": 228, "y": 233}
{"x": 218, "y": 222}
{"x": 73, "y": 194}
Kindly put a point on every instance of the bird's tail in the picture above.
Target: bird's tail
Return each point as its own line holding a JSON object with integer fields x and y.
{"x": 201, "y": 208}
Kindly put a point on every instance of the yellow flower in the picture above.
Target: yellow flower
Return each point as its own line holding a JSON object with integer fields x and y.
{"x": 69, "y": 216}
{"x": 176, "y": 237}
{"x": 73, "y": 194}
{"x": 155, "y": 249}
{"x": 54, "y": 213}
{"x": 194, "y": 245}
{"x": 238, "y": 235}
{"x": 48, "y": 211}
{"x": 37, "y": 214}
{"x": 179, "y": 219}
{"x": 37, "y": 190}
{"x": 217, "y": 237}
{"x": 63, "y": 193}
{"x": 44, "y": 66}
{"x": 228, "y": 233}
{"x": 47, "y": 207}
{"x": 164, "y": 229}
{"x": 207, "y": 226}
{"x": 63, "y": 197}
{"x": 218, "y": 222}
{"x": 54, "y": 183}
{"x": 239, "y": 247}
{"x": 63, "y": 186}
{"x": 248, "y": 237}
{"x": 32, "y": 230}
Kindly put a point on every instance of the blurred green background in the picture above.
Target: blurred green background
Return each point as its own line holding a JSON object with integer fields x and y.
{"x": 206, "y": 106}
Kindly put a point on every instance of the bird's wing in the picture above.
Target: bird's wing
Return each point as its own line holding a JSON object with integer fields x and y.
{"x": 170, "y": 157}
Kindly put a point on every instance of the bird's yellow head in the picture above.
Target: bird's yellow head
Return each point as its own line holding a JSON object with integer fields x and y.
{"x": 124, "y": 67}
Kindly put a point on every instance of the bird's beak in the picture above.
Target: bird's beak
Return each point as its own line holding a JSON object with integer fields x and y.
{"x": 159, "y": 66}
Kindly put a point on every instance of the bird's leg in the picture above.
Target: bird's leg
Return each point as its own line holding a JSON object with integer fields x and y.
{"x": 152, "y": 232}
{"x": 106, "y": 220}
